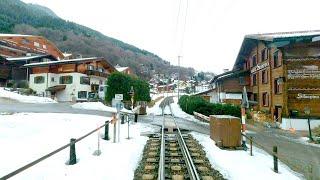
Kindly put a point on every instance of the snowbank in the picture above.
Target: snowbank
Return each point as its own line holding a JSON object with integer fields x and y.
{"x": 23, "y": 98}
{"x": 32, "y": 135}
{"x": 240, "y": 165}
{"x": 98, "y": 106}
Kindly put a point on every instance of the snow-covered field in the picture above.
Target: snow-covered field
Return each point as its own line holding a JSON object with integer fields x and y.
{"x": 98, "y": 106}
{"x": 23, "y": 98}
{"x": 240, "y": 165}
{"x": 25, "y": 137}
{"x": 94, "y": 106}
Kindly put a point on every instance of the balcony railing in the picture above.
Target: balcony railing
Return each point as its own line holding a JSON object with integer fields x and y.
{"x": 96, "y": 73}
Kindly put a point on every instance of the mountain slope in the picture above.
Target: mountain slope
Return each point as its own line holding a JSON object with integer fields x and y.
{"x": 19, "y": 17}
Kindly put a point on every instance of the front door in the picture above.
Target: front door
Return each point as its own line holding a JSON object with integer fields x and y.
{"x": 277, "y": 114}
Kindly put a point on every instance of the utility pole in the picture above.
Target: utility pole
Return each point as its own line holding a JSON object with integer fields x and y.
{"x": 179, "y": 76}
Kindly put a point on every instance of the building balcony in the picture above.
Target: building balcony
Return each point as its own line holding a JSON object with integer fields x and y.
{"x": 96, "y": 73}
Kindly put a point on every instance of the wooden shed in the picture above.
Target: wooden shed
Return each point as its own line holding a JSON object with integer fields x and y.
{"x": 225, "y": 130}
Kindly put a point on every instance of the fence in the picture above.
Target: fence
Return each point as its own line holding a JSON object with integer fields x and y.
{"x": 72, "y": 159}
{"x": 201, "y": 117}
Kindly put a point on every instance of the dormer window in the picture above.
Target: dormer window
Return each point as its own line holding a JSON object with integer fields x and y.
{"x": 90, "y": 67}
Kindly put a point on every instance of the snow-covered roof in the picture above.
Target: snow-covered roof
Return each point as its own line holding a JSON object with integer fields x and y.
{"x": 272, "y": 36}
{"x": 16, "y": 35}
{"x": 61, "y": 61}
{"x": 121, "y": 69}
{"x": 23, "y": 58}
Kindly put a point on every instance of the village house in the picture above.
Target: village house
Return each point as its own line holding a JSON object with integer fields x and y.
{"x": 284, "y": 74}
{"x": 228, "y": 87}
{"x": 70, "y": 80}
{"x": 125, "y": 70}
{"x": 17, "y": 50}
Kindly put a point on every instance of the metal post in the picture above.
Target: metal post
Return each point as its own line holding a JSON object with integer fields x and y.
{"x": 118, "y": 123}
{"x": 72, "y": 157}
{"x": 251, "y": 146}
{"x": 128, "y": 126}
{"x": 243, "y": 122}
{"x": 106, "y": 131}
{"x": 178, "y": 76}
{"x": 275, "y": 159}
{"x": 310, "y": 132}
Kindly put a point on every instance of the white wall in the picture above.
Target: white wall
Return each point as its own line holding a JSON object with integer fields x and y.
{"x": 66, "y": 94}
{"x": 233, "y": 96}
{"x": 298, "y": 124}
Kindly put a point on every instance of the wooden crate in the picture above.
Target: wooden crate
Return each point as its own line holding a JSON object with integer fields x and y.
{"x": 225, "y": 130}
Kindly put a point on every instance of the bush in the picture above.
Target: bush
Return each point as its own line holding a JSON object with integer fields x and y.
{"x": 189, "y": 104}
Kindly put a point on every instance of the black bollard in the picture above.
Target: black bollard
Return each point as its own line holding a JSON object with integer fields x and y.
{"x": 73, "y": 156}
{"x": 106, "y": 131}
{"x": 275, "y": 159}
{"x": 136, "y": 117}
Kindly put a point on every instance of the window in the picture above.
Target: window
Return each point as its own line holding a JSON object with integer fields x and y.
{"x": 90, "y": 67}
{"x": 85, "y": 80}
{"x": 276, "y": 61}
{"x": 278, "y": 85}
{"x": 44, "y": 46}
{"x": 254, "y": 79}
{"x": 82, "y": 95}
{"x": 36, "y": 44}
{"x": 255, "y": 97}
{"x": 242, "y": 80}
{"x": 264, "y": 76}
{"x": 265, "y": 99}
{"x": 38, "y": 79}
{"x": 264, "y": 54}
{"x": 52, "y": 79}
{"x": 254, "y": 61}
{"x": 66, "y": 80}
{"x": 100, "y": 69}
{"x": 25, "y": 41}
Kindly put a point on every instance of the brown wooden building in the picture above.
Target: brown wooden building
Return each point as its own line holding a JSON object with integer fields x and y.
{"x": 284, "y": 72}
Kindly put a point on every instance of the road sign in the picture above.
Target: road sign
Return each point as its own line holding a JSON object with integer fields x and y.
{"x": 118, "y": 97}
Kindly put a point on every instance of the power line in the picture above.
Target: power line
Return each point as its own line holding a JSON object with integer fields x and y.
{"x": 184, "y": 27}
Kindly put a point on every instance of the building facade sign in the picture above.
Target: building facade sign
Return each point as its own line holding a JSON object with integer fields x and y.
{"x": 306, "y": 72}
{"x": 260, "y": 67}
{"x": 308, "y": 96}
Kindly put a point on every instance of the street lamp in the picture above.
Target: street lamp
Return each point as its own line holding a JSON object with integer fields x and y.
{"x": 307, "y": 111}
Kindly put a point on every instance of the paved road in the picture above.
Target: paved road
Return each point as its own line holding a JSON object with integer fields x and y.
{"x": 16, "y": 107}
{"x": 297, "y": 155}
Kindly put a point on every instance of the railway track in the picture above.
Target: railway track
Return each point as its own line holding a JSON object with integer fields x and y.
{"x": 174, "y": 154}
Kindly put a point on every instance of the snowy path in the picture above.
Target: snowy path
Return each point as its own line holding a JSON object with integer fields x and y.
{"x": 28, "y": 136}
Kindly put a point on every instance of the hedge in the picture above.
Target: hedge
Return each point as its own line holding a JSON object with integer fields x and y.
{"x": 189, "y": 104}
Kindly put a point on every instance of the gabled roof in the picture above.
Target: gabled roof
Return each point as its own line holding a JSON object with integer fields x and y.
{"x": 278, "y": 39}
{"x": 25, "y": 58}
{"x": 68, "y": 61}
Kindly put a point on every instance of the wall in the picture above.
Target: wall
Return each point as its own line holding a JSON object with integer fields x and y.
{"x": 64, "y": 95}
{"x": 299, "y": 124}
{"x": 303, "y": 85}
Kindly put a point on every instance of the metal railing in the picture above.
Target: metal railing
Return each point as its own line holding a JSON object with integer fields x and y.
{"x": 50, "y": 154}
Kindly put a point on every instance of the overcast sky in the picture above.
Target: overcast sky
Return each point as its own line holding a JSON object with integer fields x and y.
{"x": 214, "y": 28}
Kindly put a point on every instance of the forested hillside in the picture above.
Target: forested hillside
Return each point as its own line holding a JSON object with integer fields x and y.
{"x": 19, "y": 17}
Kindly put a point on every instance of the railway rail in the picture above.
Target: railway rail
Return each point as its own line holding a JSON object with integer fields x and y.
{"x": 174, "y": 154}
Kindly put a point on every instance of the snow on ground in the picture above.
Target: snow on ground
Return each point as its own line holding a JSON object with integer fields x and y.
{"x": 156, "y": 96}
{"x": 23, "y": 98}
{"x": 98, "y": 106}
{"x": 28, "y": 136}
{"x": 94, "y": 106}
{"x": 240, "y": 165}
{"x": 305, "y": 141}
